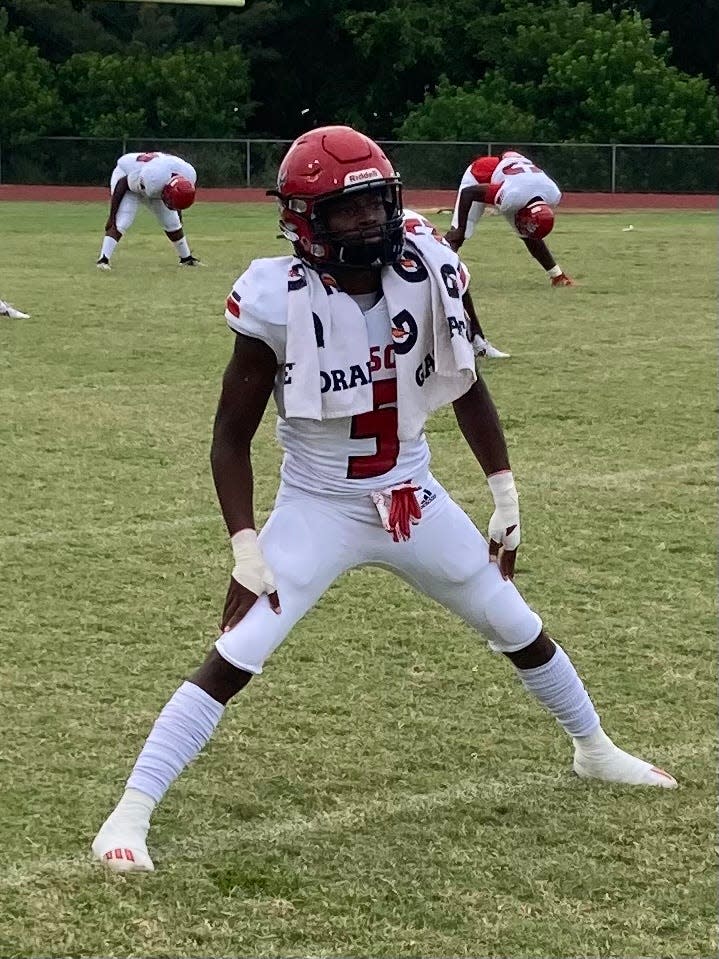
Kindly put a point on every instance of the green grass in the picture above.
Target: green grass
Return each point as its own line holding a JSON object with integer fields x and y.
{"x": 386, "y": 788}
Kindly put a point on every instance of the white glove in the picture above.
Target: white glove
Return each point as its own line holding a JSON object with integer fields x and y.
{"x": 504, "y": 522}
{"x": 250, "y": 569}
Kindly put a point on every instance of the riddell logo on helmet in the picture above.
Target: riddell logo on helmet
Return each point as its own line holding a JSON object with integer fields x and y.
{"x": 362, "y": 176}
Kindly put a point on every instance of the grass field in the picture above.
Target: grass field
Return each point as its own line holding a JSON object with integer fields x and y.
{"x": 386, "y": 788}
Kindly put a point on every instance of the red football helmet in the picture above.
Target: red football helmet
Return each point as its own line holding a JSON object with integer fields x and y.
{"x": 179, "y": 193}
{"x": 535, "y": 220}
{"x": 322, "y": 165}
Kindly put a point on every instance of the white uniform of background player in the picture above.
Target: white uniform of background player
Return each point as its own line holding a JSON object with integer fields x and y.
{"x": 518, "y": 181}
{"x": 324, "y": 523}
{"x": 147, "y": 175}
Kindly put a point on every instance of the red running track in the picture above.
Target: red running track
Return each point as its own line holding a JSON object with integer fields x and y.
{"x": 414, "y": 199}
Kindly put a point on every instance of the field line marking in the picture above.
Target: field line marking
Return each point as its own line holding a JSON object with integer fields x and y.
{"x": 624, "y": 478}
{"x": 351, "y": 816}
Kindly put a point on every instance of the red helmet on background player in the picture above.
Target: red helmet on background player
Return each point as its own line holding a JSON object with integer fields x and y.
{"x": 535, "y": 220}
{"x": 179, "y": 193}
{"x": 322, "y": 165}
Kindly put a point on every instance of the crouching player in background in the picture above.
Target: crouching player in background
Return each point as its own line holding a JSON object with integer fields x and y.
{"x": 163, "y": 183}
{"x": 522, "y": 193}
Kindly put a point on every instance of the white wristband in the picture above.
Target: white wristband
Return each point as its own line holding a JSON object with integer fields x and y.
{"x": 250, "y": 569}
{"x": 504, "y": 522}
{"x": 554, "y": 272}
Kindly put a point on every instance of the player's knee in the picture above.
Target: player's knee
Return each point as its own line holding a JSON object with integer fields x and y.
{"x": 219, "y": 678}
{"x": 536, "y": 653}
{"x": 512, "y": 625}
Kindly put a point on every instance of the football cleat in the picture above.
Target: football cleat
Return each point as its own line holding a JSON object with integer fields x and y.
{"x": 562, "y": 280}
{"x": 601, "y": 759}
{"x": 7, "y": 310}
{"x": 492, "y": 353}
{"x": 190, "y": 261}
{"x": 103, "y": 263}
{"x": 483, "y": 348}
{"x": 479, "y": 345}
{"x": 122, "y": 849}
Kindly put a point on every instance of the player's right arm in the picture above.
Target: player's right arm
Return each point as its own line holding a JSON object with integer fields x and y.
{"x": 468, "y": 196}
{"x": 121, "y": 188}
{"x": 246, "y": 389}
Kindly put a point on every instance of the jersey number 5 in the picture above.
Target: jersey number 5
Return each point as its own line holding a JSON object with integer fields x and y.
{"x": 379, "y": 424}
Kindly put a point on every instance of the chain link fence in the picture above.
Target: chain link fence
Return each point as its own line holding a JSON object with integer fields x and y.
{"x": 577, "y": 167}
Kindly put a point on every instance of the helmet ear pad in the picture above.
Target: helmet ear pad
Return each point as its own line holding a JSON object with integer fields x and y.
{"x": 535, "y": 220}
{"x": 329, "y": 163}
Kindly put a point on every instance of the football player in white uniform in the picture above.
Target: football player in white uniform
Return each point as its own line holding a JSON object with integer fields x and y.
{"x": 522, "y": 193}
{"x": 355, "y": 485}
{"x": 160, "y": 181}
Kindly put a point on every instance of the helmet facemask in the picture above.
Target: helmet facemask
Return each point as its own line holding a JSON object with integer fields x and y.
{"x": 362, "y": 248}
{"x": 371, "y": 246}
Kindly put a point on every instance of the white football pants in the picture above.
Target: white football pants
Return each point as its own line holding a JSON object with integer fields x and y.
{"x": 309, "y": 540}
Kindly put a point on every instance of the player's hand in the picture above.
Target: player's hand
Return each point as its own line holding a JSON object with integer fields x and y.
{"x": 504, "y": 528}
{"x": 251, "y": 577}
{"x": 455, "y": 238}
{"x": 504, "y": 557}
{"x": 562, "y": 280}
{"x": 240, "y": 601}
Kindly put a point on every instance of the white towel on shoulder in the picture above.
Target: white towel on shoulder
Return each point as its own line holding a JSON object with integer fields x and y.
{"x": 328, "y": 346}
{"x": 326, "y": 338}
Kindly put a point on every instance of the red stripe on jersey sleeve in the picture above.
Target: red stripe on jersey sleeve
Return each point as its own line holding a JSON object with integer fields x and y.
{"x": 233, "y": 307}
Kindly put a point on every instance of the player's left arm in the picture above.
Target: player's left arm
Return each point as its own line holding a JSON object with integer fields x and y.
{"x": 479, "y": 422}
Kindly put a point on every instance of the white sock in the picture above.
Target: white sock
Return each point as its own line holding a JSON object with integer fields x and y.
{"x": 180, "y": 731}
{"x": 135, "y": 809}
{"x": 182, "y": 247}
{"x": 559, "y": 689}
{"x": 108, "y": 247}
{"x": 596, "y": 744}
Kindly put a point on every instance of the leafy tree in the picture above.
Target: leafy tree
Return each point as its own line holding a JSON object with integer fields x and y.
{"x": 186, "y": 93}
{"x": 30, "y": 102}
{"x": 583, "y": 75}
{"x": 480, "y": 112}
{"x": 614, "y": 83}
{"x": 692, "y": 26}
{"x": 58, "y": 29}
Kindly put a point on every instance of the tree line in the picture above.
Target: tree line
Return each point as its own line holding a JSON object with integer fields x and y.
{"x": 607, "y": 70}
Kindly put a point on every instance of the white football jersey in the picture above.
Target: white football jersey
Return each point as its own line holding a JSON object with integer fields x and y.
{"x": 521, "y": 180}
{"x": 333, "y": 456}
{"x": 149, "y": 173}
